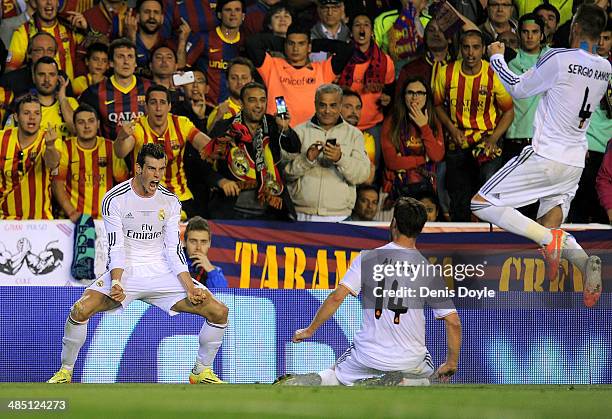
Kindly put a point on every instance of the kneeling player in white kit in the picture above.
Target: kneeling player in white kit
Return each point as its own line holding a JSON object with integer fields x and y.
{"x": 146, "y": 262}
{"x": 387, "y": 350}
{"x": 573, "y": 81}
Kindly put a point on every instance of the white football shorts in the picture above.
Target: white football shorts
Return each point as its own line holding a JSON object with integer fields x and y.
{"x": 528, "y": 178}
{"x": 348, "y": 369}
{"x": 153, "y": 284}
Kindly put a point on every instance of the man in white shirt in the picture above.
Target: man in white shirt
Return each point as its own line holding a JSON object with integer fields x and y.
{"x": 390, "y": 346}
{"x": 147, "y": 263}
{"x": 572, "y": 82}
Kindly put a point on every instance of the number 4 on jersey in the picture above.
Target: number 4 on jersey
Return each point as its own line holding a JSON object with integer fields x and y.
{"x": 585, "y": 110}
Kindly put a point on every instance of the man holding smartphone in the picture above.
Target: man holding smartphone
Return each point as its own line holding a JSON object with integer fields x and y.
{"x": 50, "y": 89}
{"x": 323, "y": 176}
{"x": 247, "y": 150}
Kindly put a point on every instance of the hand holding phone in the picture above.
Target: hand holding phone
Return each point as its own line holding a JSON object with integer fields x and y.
{"x": 181, "y": 79}
{"x": 281, "y": 106}
{"x": 332, "y": 151}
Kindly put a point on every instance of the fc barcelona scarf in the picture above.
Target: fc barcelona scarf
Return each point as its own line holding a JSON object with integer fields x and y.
{"x": 374, "y": 79}
{"x": 261, "y": 172}
{"x": 404, "y": 38}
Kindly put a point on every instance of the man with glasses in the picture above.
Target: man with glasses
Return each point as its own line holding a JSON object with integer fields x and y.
{"x": 50, "y": 89}
{"x": 45, "y": 19}
{"x": 330, "y": 26}
{"x": 499, "y": 20}
{"x": 20, "y": 81}
{"x": 28, "y": 161}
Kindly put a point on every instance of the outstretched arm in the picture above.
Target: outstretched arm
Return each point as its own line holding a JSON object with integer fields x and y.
{"x": 453, "y": 342}
{"x": 535, "y": 81}
{"x": 327, "y": 309}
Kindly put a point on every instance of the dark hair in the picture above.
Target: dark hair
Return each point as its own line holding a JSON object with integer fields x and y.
{"x": 358, "y": 13}
{"x": 84, "y": 107}
{"x": 531, "y": 16}
{"x": 252, "y": 85}
{"x": 365, "y": 187}
{"x": 157, "y": 88}
{"x": 348, "y": 92}
{"x": 120, "y": 43}
{"x": 158, "y": 47}
{"x": 410, "y": 216}
{"x": 199, "y": 70}
{"x": 153, "y": 150}
{"x": 197, "y": 223}
{"x": 472, "y": 32}
{"x": 140, "y": 2}
{"x": 400, "y": 119}
{"x": 242, "y": 61}
{"x": 38, "y": 34}
{"x": 96, "y": 47}
{"x": 549, "y": 7}
{"x": 428, "y": 195}
{"x": 592, "y": 20}
{"x": 300, "y": 28}
{"x": 44, "y": 60}
{"x": 274, "y": 10}
{"x": 221, "y": 4}
{"x": 27, "y": 98}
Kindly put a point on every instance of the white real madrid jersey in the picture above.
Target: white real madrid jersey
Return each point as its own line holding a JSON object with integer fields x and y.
{"x": 382, "y": 343}
{"x": 572, "y": 83}
{"x": 143, "y": 231}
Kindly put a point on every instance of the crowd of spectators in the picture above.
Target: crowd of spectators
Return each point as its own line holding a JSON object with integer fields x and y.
{"x": 309, "y": 110}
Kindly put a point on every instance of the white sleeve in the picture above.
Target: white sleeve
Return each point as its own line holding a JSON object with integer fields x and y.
{"x": 172, "y": 240}
{"x": 536, "y": 80}
{"x": 114, "y": 231}
{"x": 352, "y": 277}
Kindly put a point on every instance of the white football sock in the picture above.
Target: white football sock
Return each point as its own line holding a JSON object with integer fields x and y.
{"x": 75, "y": 334}
{"x": 513, "y": 221}
{"x": 574, "y": 253}
{"x": 211, "y": 336}
{"x": 328, "y": 378}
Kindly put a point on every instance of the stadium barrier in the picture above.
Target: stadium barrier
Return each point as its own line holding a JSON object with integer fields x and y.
{"x": 298, "y": 255}
{"x": 526, "y": 343}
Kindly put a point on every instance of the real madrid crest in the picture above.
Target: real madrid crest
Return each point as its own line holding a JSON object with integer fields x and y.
{"x": 240, "y": 165}
{"x": 161, "y": 214}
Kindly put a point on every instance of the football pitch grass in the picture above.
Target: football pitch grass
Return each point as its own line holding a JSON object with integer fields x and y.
{"x": 115, "y": 401}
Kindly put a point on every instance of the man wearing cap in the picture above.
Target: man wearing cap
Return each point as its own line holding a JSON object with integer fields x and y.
{"x": 331, "y": 25}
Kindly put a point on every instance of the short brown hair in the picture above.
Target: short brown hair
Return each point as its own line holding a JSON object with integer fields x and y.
{"x": 197, "y": 223}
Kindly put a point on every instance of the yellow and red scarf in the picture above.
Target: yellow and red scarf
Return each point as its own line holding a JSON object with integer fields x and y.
{"x": 262, "y": 171}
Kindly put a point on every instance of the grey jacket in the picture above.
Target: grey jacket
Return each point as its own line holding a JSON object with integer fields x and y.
{"x": 323, "y": 187}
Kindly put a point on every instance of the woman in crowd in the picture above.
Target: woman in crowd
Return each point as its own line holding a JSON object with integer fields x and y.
{"x": 412, "y": 142}
{"x": 278, "y": 19}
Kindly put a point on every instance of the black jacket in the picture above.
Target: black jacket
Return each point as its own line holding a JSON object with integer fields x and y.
{"x": 221, "y": 205}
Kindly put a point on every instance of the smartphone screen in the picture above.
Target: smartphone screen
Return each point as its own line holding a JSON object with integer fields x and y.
{"x": 331, "y": 141}
{"x": 281, "y": 105}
